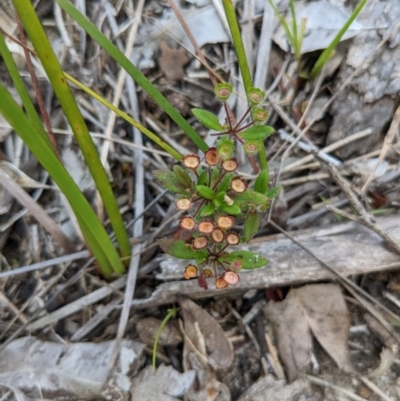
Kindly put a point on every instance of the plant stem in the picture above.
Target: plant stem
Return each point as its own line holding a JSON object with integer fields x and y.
{"x": 238, "y": 43}
{"x": 171, "y": 313}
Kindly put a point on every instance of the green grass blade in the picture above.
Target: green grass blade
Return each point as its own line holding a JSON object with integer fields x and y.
{"x": 284, "y": 24}
{"x": 242, "y": 59}
{"x": 22, "y": 91}
{"x": 238, "y": 43}
{"x": 296, "y": 43}
{"x": 62, "y": 90}
{"x": 327, "y": 53}
{"x": 137, "y": 75}
{"x": 127, "y": 118}
{"x": 94, "y": 232}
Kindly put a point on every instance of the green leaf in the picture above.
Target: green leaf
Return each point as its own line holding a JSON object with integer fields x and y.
{"x": 219, "y": 198}
{"x": 205, "y": 192}
{"x": 170, "y": 181}
{"x": 249, "y": 259}
{"x": 179, "y": 249}
{"x": 251, "y": 225}
{"x": 271, "y": 193}
{"x": 250, "y": 197}
{"x": 257, "y": 133}
{"x": 202, "y": 177}
{"x": 182, "y": 176}
{"x": 207, "y": 210}
{"x": 261, "y": 183}
{"x": 208, "y": 119}
{"x": 225, "y": 183}
{"x": 231, "y": 209}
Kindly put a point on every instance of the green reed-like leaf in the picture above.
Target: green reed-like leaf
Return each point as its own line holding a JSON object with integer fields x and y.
{"x": 137, "y": 75}
{"x": 68, "y": 103}
{"x": 97, "y": 239}
{"x": 327, "y": 53}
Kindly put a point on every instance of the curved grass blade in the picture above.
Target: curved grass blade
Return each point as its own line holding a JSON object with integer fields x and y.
{"x": 22, "y": 91}
{"x": 127, "y": 118}
{"x": 94, "y": 232}
{"x": 63, "y": 92}
{"x": 137, "y": 75}
{"x": 327, "y": 53}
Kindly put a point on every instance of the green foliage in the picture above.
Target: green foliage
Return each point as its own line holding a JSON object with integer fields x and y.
{"x": 231, "y": 209}
{"x": 208, "y": 119}
{"x": 261, "y": 183}
{"x": 207, "y": 210}
{"x": 170, "y": 181}
{"x": 250, "y": 198}
{"x": 251, "y": 225}
{"x": 180, "y": 250}
{"x": 250, "y": 260}
{"x": 273, "y": 192}
{"x": 182, "y": 176}
{"x": 257, "y": 133}
{"x": 205, "y": 192}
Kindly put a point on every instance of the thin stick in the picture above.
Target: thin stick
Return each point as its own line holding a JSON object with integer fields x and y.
{"x": 35, "y": 83}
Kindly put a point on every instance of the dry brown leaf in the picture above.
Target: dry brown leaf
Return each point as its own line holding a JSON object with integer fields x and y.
{"x": 292, "y": 334}
{"x": 147, "y": 329}
{"x": 327, "y": 315}
{"x": 206, "y": 334}
{"x": 319, "y": 307}
{"x": 172, "y": 61}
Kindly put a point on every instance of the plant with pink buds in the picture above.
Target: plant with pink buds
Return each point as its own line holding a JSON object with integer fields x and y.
{"x": 214, "y": 199}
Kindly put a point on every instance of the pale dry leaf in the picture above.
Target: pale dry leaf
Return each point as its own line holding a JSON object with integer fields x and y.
{"x": 20, "y": 177}
{"x": 165, "y": 384}
{"x": 65, "y": 370}
{"x": 147, "y": 329}
{"x": 292, "y": 334}
{"x": 326, "y": 313}
{"x": 323, "y": 22}
{"x": 269, "y": 389}
{"x": 218, "y": 346}
{"x": 172, "y": 61}
{"x": 387, "y": 357}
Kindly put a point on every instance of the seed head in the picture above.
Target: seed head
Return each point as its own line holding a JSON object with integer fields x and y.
{"x": 230, "y": 277}
{"x": 232, "y": 239}
{"x": 259, "y": 114}
{"x": 190, "y": 272}
{"x": 211, "y": 156}
{"x": 191, "y": 161}
{"x": 252, "y": 147}
{"x": 206, "y": 227}
{"x": 187, "y": 223}
{"x": 225, "y": 222}
{"x": 200, "y": 242}
{"x": 207, "y": 273}
{"x": 217, "y": 235}
{"x": 230, "y": 165}
{"x": 256, "y": 95}
{"x": 183, "y": 204}
{"x": 223, "y": 91}
{"x": 225, "y": 148}
{"x": 220, "y": 283}
{"x": 239, "y": 185}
